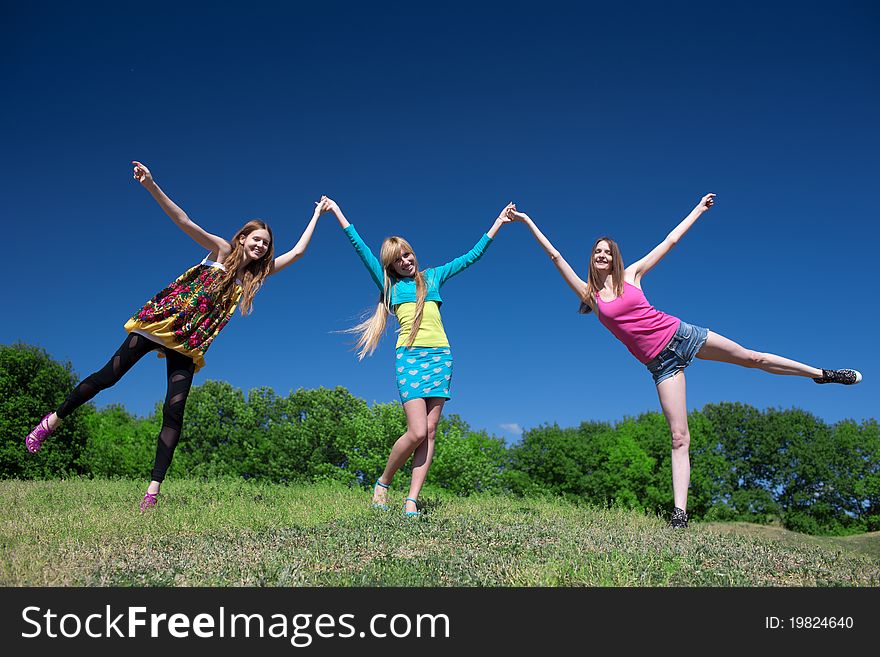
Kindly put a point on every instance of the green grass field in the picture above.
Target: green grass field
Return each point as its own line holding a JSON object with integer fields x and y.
{"x": 90, "y": 533}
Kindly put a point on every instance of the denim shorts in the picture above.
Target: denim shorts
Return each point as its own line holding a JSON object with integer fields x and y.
{"x": 678, "y": 353}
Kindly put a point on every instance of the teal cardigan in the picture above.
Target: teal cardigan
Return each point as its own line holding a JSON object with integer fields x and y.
{"x": 403, "y": 290}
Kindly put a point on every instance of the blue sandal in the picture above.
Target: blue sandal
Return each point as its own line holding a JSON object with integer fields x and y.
{"x": 411, "y": 514}
{"x": 376, "y": 505}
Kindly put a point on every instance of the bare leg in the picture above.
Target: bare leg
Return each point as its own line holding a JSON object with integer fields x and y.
{"x": 416, "y": 433}
{"x": 722, "y": 349}
{"x": 673, "y": 400}
{"x": 424, "y": 453}
{"x": 53, "y": 421}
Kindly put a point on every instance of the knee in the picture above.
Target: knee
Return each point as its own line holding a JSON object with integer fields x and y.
{"x": 99, "y": 381}
{"x": 417, "y": 435}
{"x": 172, "y": 414}
{"x": 681, "y": 438}
{"x": 756, "y": 359}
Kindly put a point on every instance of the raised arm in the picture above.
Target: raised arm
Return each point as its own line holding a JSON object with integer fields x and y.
{"x": 641, "y": 267}
{"x": 500, "y": 220}
{"x": 369, "y": 259}
{"x": 574, "y": 281}
{"x": 218, "y": 246}
{"x": 462, "y": 262}
{"x": 299, "y": 249}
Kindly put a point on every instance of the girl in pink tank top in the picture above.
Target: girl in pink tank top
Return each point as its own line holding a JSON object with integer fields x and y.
{"x": 666, "y": 345}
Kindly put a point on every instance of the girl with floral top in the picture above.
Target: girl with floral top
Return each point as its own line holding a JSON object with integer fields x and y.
{"x": 423, "y": 363}
{"x": 182, "y": 320}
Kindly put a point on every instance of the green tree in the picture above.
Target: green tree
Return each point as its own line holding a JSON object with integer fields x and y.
{"x": 120, "y": 444}
{"x": 217, "y": 428}
{"x": 817, "y": 489}
{"x": 298, "y": 436}
{"x": 466, "y": 461}
{"x": 31, "y": 385}
{"x": 568, "y": 462}
{"x": 711, "y": 488}
{"x": 755, "y": 462}
{"x": 857, "y": 478}
{"x": 639, "y": 473}
{"x": 366, "y": 438}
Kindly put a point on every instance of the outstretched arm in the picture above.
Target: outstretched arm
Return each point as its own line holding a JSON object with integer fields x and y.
{"x": 574, "y": 281}
{"x": 500, "y": 221}
{"x": 369, "y": 259}
{"x": 462, "y": 262}
{"x": 299, "y": 249}
{"x": 218, "y": 246}
{"x": 641, "y": 267}
{"x": 329, "y": 205}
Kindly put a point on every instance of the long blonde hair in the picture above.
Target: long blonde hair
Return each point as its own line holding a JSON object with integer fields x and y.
{"x": 594, "y": 284}
{"x": 372, "y": 328}
{"x": 254, "y": 273}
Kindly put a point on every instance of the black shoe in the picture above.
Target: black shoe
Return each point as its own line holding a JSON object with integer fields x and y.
{"x": 846, "y": 377}
{"x": 679, "y": 519}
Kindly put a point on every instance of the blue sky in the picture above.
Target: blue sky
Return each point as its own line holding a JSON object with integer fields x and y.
{"x": 424, "y": 121}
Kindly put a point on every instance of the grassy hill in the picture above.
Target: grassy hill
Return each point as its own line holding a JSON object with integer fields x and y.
{"x": 862, "y": 544}
{"x": 89, "y": 533}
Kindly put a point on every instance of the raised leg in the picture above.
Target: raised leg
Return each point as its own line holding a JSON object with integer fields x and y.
{"x": 719, "y": 348}
{"x": 130, "y": 351}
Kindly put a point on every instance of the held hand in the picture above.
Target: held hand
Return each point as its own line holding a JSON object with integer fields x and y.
{"x": 706, "y": 202}
{"x": 515, "y": 215}
{"x": 142, "y": 173}
{"x": 504, "y": 216}
{"x": 329, "y": 205}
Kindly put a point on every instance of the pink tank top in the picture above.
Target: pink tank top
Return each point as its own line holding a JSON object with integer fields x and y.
{"x": 643, "y": 329}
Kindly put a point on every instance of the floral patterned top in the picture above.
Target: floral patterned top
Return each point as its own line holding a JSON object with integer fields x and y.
{"x": 185, "y": 316}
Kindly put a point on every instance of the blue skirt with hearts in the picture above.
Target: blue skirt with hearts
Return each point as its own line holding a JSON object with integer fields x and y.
{"x": 423, "y": 372}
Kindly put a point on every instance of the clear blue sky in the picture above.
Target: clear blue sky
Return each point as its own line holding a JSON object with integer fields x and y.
{"x": 424, "y": 120}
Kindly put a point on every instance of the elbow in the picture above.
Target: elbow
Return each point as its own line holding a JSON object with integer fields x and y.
{"x": 291, "y": 257}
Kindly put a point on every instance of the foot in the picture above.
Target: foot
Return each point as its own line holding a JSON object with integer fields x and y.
{"x": 38, "y": 434}
{"x": 411, "y": 508}
{"x": 380, "y": 494}
{"x": 846, "y": 377}
{"x": 150, "y": 500}
{"x": 679, "y": 519}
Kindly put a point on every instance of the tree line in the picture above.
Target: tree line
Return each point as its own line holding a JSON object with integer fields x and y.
{"x": 786, "y": 466}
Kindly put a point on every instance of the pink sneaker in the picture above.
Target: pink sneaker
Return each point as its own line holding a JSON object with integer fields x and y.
{"x": 150, "y": 500}
{"x": 38, "y": 434}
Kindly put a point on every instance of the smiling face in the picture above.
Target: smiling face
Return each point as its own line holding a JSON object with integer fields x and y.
{"x": 605, "y": 262}
{"x": 398, "y": 259}
{"x": 603, "y": 257}
{"x": 405, "y": 264}
{"x": 255, "y": 244}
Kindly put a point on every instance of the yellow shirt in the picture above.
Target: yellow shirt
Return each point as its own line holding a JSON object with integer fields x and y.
{"x": 430, "y": 333}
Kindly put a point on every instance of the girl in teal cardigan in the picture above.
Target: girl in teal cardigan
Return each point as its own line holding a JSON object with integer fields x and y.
{"x": 423, "y": 363}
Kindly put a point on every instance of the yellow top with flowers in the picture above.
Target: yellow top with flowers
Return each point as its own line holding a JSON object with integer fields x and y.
{"x": 185, "y": 316}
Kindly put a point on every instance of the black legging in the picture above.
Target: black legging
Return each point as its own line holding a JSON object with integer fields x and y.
{"x": 180, "y": 375}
